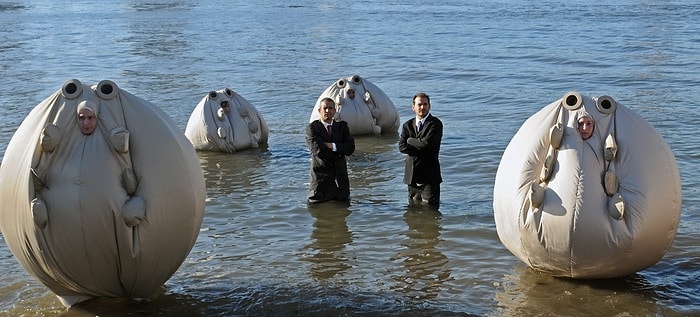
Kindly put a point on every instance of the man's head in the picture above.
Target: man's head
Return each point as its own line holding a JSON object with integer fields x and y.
{"x": 351, "y": 93}
{"x": 586, "y": 126}
{"x": 87, "y": 117}
{"x": 421, "y": 105}
{"x": 327, "y": 109}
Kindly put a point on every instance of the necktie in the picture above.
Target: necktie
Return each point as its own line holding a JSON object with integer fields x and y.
{"x": 329, "y": 129}
{"x": 420, "y": 125}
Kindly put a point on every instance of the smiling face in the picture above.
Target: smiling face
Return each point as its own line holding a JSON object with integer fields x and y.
{"x": 586, "y": 127}
{"x": 327, "y": 110}
{"x": 87, "y": 121}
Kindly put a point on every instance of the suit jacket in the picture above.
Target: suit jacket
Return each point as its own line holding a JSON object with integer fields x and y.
{"x": 423, "y": 150}
{"x": 329, "y": 172}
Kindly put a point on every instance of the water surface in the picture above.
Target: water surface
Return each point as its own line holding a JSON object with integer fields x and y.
{"x": 487, "y": 66}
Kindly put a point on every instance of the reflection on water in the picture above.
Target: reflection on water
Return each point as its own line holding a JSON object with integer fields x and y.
{"x": 228, "y": 174}
{"x": 329, "y": 238}
{"x": 164, "y": 304}
{"x": 424, "y": 264}
{"x": 526, "y": 291}
{"x": 370, "y": 183}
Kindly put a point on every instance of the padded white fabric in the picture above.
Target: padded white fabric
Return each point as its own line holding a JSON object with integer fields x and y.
{"x": 211, "y": 129}
{"x": 575, "y": 231}
{"x": 110, "y": 214}
{"x": 370, "y": 112}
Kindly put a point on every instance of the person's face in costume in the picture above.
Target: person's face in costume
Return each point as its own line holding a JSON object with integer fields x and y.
{"x": 87, "y": 121}
{"x": 586, "y": 127}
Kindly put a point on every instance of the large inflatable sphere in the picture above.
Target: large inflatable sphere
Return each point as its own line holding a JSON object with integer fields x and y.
{"x": 365, "y": 107}
{"x": 101, "y": 195}
{"x": 602, "y": 207}
{"x": 224, "y": 121}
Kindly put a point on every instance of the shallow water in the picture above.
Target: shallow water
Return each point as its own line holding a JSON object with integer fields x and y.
{"x": 487, "y": 66}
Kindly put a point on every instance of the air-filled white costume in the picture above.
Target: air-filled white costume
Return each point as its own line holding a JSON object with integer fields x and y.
{"x": 603, "y": 207}
{"x": 212, "y": 128}
{"x": 370, "y": 111}
{"x": 108, "y": 214}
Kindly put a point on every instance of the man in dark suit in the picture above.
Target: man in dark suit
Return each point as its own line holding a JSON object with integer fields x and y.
{"x": 420, "y": 140}
{"x": 329, "y": 142}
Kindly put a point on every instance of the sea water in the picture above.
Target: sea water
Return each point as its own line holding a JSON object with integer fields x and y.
{"x": 487, "y": 65}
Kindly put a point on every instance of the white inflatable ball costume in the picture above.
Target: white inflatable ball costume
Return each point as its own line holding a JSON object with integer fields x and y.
{"x": 363, "y": 105}
{"x": 224, "y": 121}
{"x": 111, "y": 213}
{"x": 603, "y": 207}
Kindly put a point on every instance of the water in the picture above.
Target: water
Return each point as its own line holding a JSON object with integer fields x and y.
{"x": 487, "y": 66}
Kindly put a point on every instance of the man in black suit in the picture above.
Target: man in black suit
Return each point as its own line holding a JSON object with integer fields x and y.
{"x": 329, "y": 142}
{"x": 420, "y": 140}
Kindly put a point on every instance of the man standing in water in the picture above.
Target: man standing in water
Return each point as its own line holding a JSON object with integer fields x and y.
{"x": 329, "y": 142}
{"x": 420, "y": 140}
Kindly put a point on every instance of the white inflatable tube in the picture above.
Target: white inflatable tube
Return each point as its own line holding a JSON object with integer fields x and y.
{"x": 210, "y": 128}
{"x": 109, "y": 214}
{"x": 603, "y": 207}
{"x": 369, "y": 112}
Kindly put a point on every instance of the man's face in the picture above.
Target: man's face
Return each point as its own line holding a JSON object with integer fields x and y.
{"x": 585, "y": 127}
{"x": 351, "y": 94}
{"x": 421, "y": 107}
{"x": 327, "y": 111}
{"x": 87, "y": 121}
{"x": 226, "y": 106}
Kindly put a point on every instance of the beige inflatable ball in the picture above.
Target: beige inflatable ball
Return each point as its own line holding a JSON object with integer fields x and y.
{"x": 363, "y": 105}
{"x": 224, "y": 121}
{"x": 100, "y": 194}
{"x": 587, "y": 189}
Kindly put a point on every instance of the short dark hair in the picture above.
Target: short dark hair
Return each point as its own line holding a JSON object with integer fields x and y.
{"x": 327, "y": 99}
{"x": 421, "y": 94}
